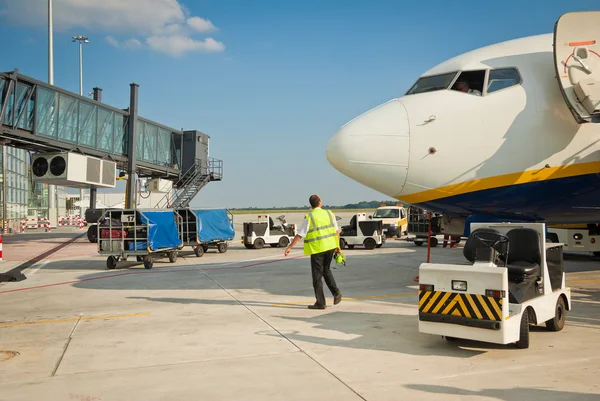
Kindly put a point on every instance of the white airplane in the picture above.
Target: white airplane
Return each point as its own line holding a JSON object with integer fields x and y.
{"x": 509, "y": 131}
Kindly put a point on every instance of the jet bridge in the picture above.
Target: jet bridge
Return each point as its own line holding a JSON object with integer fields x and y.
{"x": 43, "y": 118}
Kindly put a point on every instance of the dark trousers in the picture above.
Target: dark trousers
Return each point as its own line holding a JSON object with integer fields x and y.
{"x": 320, "y": 266}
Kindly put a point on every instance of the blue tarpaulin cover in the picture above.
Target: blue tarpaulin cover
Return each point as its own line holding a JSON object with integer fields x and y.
{"x": 162, "y": 230}
{"x": 214, "y": 225}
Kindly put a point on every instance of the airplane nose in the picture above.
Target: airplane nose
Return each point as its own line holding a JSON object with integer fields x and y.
{"x": 373, "y": 149}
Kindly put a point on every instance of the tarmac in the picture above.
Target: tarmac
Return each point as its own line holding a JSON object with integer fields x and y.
{"x": 235, "y": 326}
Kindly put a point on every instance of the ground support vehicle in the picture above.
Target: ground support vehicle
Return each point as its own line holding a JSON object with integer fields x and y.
{"x": 514, "y": 279}
{"x": 577, "y": 238}
{"x": 206, "y": 228}
{"x": 362, "y": 232}
{"x": 394, "y": 219}
{"x": 418, "y": 227}
{"x": 264, "y": 231}
{"x": 143, "y": 233}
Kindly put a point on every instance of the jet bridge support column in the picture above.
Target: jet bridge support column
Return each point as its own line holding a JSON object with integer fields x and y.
{"x": 130, "y": 198}
{"x": 93, "y": 191}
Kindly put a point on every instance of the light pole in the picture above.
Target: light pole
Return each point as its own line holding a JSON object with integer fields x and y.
{"x": 81, "y": 39}
{"x": 52, "y": 210}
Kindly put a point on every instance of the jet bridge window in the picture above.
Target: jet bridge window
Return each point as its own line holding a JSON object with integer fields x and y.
{"x": 470, "y": 82}
{"x": 503, "y": 78}
{"x": 432, "y": 83}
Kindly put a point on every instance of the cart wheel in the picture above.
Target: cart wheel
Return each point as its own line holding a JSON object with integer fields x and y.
{"x": 524, "y": 331}
{"x": 370, "y": 243}
{"x": 433, "y": 242}
{"x": 259, "y": 243}
{"x": 148, "y": 262}
{"x": 284, "y": 241}
{"x": 560, "y": 315}
{"x": 418, "y": 243}
{"x": 342, "y": 243}
{"x": 222, "y": 247}
{"x": 173, "y": 256}
{"x": 111, "y": 262}
{"x": 199, "y": 251}
{"x": 139, "y": 258}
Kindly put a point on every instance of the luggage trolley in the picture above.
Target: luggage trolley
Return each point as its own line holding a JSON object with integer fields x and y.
{"x": 141, "y": 233}
{"x": 204, "y": 228}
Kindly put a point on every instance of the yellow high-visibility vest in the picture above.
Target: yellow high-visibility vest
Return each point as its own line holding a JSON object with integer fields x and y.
{"x": 321, "y": 235}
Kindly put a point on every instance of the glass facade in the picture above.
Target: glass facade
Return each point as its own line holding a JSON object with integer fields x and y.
{"x": 13, "y": 183}
{"x": 33, "y": 107}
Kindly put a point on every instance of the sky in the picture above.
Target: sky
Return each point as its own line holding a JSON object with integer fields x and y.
{"x": 269, "y": 81}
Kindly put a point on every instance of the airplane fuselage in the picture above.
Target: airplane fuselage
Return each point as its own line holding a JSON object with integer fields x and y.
{"x": 514, "y": 153}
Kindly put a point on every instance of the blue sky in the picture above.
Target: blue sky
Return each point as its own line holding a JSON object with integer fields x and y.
{"x": 277, "y": 76}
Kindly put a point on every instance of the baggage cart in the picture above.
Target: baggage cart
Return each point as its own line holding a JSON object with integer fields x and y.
{"x": 206, "y": 228}
{"x": 143, "y": 233}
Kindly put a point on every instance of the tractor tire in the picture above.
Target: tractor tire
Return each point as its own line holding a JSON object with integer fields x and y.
{"x": 370, "y": 243}
{"x": 524, "y": 331}
{"x": 284, "y": 241}
{"x": 92, "y": 234}
{"x": 560, "y": 315}
{"x": 259, "y": 243}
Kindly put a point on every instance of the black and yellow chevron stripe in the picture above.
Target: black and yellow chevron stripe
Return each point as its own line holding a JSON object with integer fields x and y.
{"x": 472, "y": 306}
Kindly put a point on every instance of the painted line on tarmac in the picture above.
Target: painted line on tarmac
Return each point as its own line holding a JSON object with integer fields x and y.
{"x": 150, "y": 272}
{"x": 73, "y": 319}
{"x": 34, "y": 270}
{"x": 596, "y": 280}
{"x": 365, "y": 298}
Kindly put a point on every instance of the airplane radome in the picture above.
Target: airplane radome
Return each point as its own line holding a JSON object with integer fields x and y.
{"x": 509, "y": 131}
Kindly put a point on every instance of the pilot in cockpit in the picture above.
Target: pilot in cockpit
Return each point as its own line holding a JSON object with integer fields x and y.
{"x": 463, "y": 86}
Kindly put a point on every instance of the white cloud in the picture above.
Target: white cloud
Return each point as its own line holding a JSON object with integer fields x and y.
{"x": 127, "y": 44}
{"x": 201, "y": 24}
{"x": 177, "y": 45}
{"x": 112, "y": 41}
{"x": 132, "y": 44}
{"x": 152, "y": 21}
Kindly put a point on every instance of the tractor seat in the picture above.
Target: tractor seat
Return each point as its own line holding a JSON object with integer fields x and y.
{"x": 473, "y": 243}
{"x": 524, "y": 254}
{"x": 524, "y": 269}
{"x": 351, "y": 226}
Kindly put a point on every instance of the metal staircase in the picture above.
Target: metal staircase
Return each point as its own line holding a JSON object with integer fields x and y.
{"x": 191, "y": 183}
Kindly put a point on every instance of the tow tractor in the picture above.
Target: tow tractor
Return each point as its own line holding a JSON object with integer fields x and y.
{"x": 257, "y": 234}
{"x": 514, "y": 279}
{"x": 362, "y": 231}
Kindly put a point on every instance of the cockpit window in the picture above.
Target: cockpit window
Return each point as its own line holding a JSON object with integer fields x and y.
{"x": 470, "y": 82}
{"x": 503, "y": 78}
{"x": 432, "y": 83}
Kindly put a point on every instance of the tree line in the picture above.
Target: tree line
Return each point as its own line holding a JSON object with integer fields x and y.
{"x": 359, "y": 205}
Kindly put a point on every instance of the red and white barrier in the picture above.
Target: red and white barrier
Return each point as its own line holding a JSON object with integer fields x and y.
{"x": 0, "y": 248}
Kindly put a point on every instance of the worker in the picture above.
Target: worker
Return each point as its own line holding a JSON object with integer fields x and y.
{"x": 321, "y": 239}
